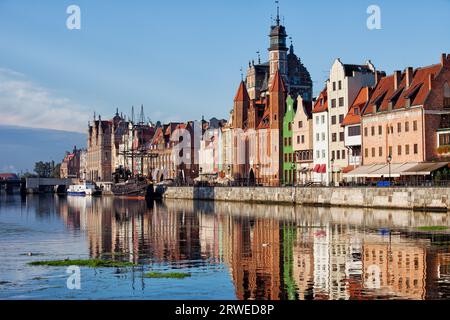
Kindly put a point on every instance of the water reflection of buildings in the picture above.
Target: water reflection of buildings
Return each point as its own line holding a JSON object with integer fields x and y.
{"x": 273, "y": 252}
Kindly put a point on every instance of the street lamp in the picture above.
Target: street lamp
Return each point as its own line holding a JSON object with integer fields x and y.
{"x": 389, "y": 160}
{"x": 332, "y": 173}
{"x": 257, "y": 174}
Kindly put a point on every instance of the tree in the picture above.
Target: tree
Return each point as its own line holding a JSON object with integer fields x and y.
{"x": 43, "y": 169}
{"x": 56, "y": 173}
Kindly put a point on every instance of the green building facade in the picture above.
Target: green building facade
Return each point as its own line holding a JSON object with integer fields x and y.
{"x": 288, "y": 150}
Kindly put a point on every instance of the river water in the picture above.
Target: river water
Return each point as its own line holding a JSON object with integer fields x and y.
{"x": 232, "y": 251}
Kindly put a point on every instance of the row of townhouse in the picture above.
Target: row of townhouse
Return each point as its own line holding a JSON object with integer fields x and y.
{"x": 365, "y": 125}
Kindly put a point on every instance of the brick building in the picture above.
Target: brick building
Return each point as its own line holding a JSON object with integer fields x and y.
{"x": 405, "y": 122}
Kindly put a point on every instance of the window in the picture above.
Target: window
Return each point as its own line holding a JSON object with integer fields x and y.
{"x": 338, "y": 155}
{"x": 366, "y": 153}
{"x": 390, "y": 151}
{"x": 290, "y": 126}
{"x": 318, "y": 154}
{"x": 444, "y": 139}
{"x": 323, "y": 154}
{"x": 341, "y": 136}
{"x": 446, "y": 102}
{"x": 341, "y": 118}
{"x": 341, "y": 102}
{"x": 399, "y": 127}
{"x": 343, "y": 154}
{"x": 317, "y": 120}
{"x": 356, "y": 111}
{"x": 290, "y": 157}
{"x": 323, "y": 119}
{"x": 373, "y": 152}
{"x": 380, "y": 151}
{"x": 298, "y": 139}
{"x": 407, "y": 149}
{"x": 380, "y": 130}
{"x": 334, "y": 86}
{"x": 300, "y": 124}
{"x": 285, "y": 142}
{"x": 290, "y": 141}
{"x": 415, "y": 125}
{"x": 285, "y": 157}
{"x": 333, "y": 120}
{"x": 333, "y": 154}
{"x": 354, "y": 131}
{"x": 333, "y": 137}
{"x": 340, "y": 85}
{"x": 333, "y": 103}
{"x": 416, "y": 149}
{"x": 317, "y": 137}
{"x": 372, "y": 131}
{"x": 303, "y": 139}
{"x": 399, "y": 150}
{"x": 323, "y": 136}
{"x": 365, "y": 132}
{"x": 406, "y": 126}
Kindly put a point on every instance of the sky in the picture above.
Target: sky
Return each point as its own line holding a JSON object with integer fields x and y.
{"x": 182, "y": 59}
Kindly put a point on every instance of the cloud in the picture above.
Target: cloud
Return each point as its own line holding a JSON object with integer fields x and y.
{"x": 25, "y": 103}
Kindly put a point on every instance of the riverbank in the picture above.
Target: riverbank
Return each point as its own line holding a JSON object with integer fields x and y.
{"x": 413, "y": 198}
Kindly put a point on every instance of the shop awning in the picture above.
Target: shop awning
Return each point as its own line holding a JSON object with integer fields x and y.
{"x": 425, "y": 169}
{"x": 396, "y": 170}
{"x": 323, "y": 168}
{"x": 317, "y": 168}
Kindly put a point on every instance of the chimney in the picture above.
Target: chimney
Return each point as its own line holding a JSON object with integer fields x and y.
{"x": 445, "y": 60}
{"x": 409, "y": 76}
{"x": 397, "y": 79}
{"x": 430, "y": 81}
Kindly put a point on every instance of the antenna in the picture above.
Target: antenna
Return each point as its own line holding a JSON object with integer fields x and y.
{"x": 259, "y": 57}
{"x": 132, "y": 114}
{"x": 278, "y": 12}
{"x": 242, "y": 74}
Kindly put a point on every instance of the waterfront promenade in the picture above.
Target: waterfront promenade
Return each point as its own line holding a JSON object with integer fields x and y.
{"x": 410, "y": 198}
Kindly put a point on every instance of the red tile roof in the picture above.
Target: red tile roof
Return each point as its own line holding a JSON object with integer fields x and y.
{"x": 242, "y": 94}
{"x": 354, "y": 113}
{"x": 321, "y": 103}
{"x": 418, "y": 91}
{"x": 278, "y": 83}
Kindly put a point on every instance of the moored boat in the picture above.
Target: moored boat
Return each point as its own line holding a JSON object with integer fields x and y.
{"x": 83, "y": 189}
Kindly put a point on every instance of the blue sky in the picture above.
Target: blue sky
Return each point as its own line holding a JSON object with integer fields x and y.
{"x": 182, "y": 59}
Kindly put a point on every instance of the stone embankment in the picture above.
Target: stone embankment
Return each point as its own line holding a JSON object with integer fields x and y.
{"x": 426, "y": 199}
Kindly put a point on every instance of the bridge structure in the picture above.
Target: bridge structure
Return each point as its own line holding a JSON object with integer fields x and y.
{"x": 9, "y": 185}
{"x": 36, "y": 185}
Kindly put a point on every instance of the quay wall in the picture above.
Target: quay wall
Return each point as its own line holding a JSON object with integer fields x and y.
{"x": 411, "y": 198}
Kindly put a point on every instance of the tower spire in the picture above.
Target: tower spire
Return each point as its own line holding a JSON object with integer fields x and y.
{"x": 278, "y": 12}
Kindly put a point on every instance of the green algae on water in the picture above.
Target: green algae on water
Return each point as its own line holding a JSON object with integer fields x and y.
{"x": 96, "y": 263}
{"x": 168, "y": 275}
{"x": 432, "y": 228}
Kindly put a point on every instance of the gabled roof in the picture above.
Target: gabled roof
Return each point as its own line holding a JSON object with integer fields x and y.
{"x": 321, "y": 103}
{"x": 242, "y": 93}
{"x": 385, "y": 91}
{"x": 278, "y": 83}
{"x": 354, "y": 113}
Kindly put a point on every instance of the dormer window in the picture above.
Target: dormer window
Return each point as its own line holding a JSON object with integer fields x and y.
{"x": 356, "y": 111}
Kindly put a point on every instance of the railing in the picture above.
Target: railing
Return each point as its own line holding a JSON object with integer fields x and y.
{"x": 242, "y": 184}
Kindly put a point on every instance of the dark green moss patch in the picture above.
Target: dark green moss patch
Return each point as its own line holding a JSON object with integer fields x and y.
{"x": 432, "y": 228}
{"x": 96, "y": 263}
{"x": 168, "y": 275}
